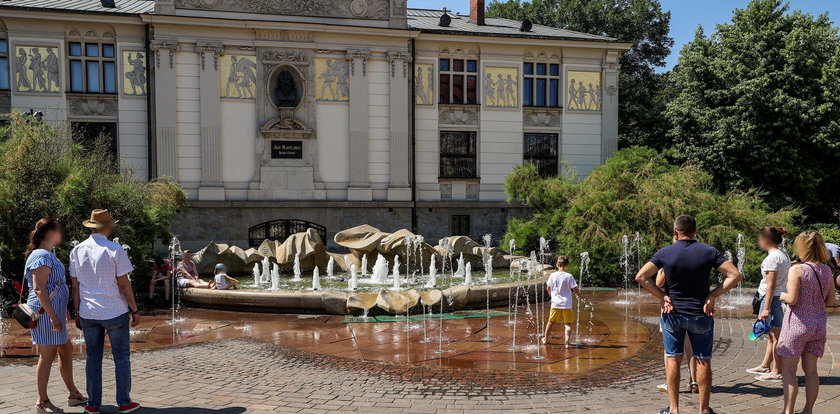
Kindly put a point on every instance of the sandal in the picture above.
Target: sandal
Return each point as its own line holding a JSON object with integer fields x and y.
{"x": 76, "y": 399}
{"x": 758, "y": 370}
{"x": 769, "y": 377}
{"x": 693, "y": 387}
{"x": 47, "y": 407}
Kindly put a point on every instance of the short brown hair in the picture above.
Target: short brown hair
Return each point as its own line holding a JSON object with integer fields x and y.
{"x": 562, "y": 261}
{"x": 810, "y": 247}
{"x": 773, "y": 234}
{"x": 685, "y": 224}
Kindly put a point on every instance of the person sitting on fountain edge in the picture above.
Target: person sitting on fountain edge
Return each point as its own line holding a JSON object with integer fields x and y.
{"x": 188, "y": 273}
{"x": 161, "y": 272}
{"x": 222, "y": 279}
{"x": 560, "y": 286}
{"x": 688, "y": 305}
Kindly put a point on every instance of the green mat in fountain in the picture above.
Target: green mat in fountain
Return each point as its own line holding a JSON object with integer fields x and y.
{"x": 481, "y": 314}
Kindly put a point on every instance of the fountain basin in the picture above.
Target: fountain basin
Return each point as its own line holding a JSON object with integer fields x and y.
{"x": 384, "y": 302}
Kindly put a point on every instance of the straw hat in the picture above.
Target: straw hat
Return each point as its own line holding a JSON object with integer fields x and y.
{"x": 99, "y": 219}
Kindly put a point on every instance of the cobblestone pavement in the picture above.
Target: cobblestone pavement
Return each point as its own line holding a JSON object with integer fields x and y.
{"x": 249, "y": 376}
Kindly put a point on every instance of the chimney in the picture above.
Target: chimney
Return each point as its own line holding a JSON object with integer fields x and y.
{"x": 477, "y": 12}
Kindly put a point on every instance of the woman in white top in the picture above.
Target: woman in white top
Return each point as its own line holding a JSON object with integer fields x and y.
{"x": 774, "y": 271}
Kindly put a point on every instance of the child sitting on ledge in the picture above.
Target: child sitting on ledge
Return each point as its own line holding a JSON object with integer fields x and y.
{"x": 222, "y": 279}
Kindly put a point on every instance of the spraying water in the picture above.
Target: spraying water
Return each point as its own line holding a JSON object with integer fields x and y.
{"x": 364, "y": 265}
{"x": 256, "y": 273}
{"x": 584, "y": 269}
{"x": 468, "y": 274}
{"x": 408, "y": 242}
{"x": 432, "y": 273}
{"x": 330, "y": 266}
{"x": 296, "y": 269}
{"x": 353, "y": 283}
{"x": 275, "y": 277}
{"x": 625, "y": 265}
{"x": 741, "y": 255}
{"x": 174, "y": 254}
{"x": 428, "y": 314}
{"x": 266, "y": 271}
{"x": 380, "y": 270}
{"x": 511, "y": 249}
{"x": 488, "y": 274}
{"x": 461, "y": 270}
{"x": 316, "y": 279}
{"x": 418, "y": 242}
{"x": 396, "y": 273}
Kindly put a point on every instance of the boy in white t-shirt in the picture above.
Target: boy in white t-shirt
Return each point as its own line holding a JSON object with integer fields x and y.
{"x": 560, "y": 286}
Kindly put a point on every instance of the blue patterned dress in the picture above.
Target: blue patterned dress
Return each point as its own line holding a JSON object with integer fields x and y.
{"x": 43, "y": 333}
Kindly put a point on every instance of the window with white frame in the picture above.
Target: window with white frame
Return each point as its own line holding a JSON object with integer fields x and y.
{"x": 92, "y": 67}
{"x": 541, "y": 86}
{"x": 458, "y": 81}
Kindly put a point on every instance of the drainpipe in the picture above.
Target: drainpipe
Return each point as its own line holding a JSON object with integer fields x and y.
{"x": 412, "y": 142}
{"x": 150, "y": 106}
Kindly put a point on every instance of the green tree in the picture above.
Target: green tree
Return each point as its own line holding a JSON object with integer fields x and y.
{"x": 43, "y": 173}
{"x": 641, "y": 22}
{"x": 637, "y": 190}
{"x": 757, "y": 105}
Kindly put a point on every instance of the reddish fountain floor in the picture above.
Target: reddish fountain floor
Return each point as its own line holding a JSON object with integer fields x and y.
{"x": 614, "y": 332}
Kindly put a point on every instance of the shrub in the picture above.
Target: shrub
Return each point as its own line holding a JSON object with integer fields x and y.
{"x": 43, "y": 173}
{"x": 637, "y": 190}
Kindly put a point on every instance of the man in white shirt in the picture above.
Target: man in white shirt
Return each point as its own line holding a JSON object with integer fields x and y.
{"x": 104, "y": 302}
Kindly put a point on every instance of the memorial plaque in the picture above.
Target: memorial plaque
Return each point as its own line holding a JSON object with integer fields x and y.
{"x": 287, "y": 149}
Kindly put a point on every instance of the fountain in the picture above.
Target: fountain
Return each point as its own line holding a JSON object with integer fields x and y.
{"x": 418, "y": 244}
{"x": 174, "y": 254}
{"x": 584, "y": 268}
{"x": 330, "y": 266}
{"x": 380, "y": 270}
{"x": 432, "y": 273}
{"x": 468, "y": 274}
{"x": 364, "y": 265}
{"x": 523, "y": 264}
{"x": 459, "y": 273}
{"x": 488, "y": 275}
{"x": 266, "y": 271}
{"x": 353, "y": 284}
{"x": 741, "y": 255}
{"x": 256, "y": 273}
{"x": 275, "y": 277}
{"x": 396, "y": 273}
{"x": 296, "y": 269}
{"x": 511, "y": 311}
{"x": 316, "y": 279}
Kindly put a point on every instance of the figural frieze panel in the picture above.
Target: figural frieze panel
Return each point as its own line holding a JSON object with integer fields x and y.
{"x": 352, "y": 9}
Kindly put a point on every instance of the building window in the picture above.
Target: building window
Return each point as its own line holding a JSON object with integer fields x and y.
{"x": 93, "y": 67}
{"x": 541, "y": 84}
{"x": 460, "y": 225}
{"x": 458, "y": 154}
{"x": 4, "y": 65}
{"x": 541, "y": 150}
{"x": 458, "y": 81}
{"x": 91, "y": 134}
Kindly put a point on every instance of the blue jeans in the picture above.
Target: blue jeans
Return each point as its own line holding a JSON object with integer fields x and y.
{"x": 701, "y": 333}
{"x": 777, "y": 315}
{"x": 118, "y": 334}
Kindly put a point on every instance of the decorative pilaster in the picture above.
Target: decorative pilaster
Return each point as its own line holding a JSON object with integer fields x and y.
{"x": 166, "y": 138}
{"x": 210, "y": 106}
{"x": 609, "y": 107}
{"x": 399, "y": 98}
{"x": 359, "y": 188}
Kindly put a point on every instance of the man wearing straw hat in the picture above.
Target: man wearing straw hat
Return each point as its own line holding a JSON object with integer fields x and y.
{"x": 104, "y": 303}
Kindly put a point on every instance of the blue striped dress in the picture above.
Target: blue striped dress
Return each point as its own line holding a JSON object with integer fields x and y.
{"x": 43, "y": 333}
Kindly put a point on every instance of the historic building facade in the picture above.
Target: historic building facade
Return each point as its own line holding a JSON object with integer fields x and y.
{"x": 337, "y": 112}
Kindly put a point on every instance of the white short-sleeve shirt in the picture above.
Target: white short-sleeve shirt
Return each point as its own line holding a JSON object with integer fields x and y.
{"x": 779, "y": 262}
{"x": 96, "y": 263}
{"x": 561, "y": 285}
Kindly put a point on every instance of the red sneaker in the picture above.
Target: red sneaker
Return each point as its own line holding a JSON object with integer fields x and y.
{"x": 129, "y": 408}
{"x": 91, "y": 410}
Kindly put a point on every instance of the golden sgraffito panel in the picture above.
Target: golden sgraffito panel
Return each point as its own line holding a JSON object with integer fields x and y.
{"x": 424, "y": 83}
{"x": 238, "y": 76}
{"x": 37, "y": 69}
{"x": 134, "y": 72}
{"x": 332, "y": 79}
{"x": 583, "y": 90}
{"x": 501, "y": 87}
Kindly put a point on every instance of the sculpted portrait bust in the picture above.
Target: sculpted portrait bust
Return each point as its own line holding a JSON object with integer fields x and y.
{"x": 286, "y": 91}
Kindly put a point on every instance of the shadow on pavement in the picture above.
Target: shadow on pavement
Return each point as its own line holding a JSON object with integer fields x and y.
{"x": 180, "y": 410}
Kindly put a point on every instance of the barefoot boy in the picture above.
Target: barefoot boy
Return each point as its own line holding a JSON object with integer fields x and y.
{"x": 560, "y": 286}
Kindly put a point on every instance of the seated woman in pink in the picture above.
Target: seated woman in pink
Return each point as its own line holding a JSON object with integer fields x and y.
{"x": 810, "y": 289}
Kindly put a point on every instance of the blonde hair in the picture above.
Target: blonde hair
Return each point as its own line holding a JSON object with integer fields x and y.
{"x": 562, "y": 261}
{"x": 810, "y": 247}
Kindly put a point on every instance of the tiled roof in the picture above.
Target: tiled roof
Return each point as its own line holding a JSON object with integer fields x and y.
{"x": 83, "y": 6}
{"x": 428, "y": 21}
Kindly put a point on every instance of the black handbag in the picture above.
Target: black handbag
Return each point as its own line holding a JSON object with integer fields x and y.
{"x": 23, "y": 313}
{"x": 756, "y": 303}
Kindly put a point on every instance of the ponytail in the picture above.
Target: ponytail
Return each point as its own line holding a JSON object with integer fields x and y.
{"x": 36, "y": 237}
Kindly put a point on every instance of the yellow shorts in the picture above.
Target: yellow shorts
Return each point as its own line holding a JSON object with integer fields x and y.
{"x": 561, "y": 316}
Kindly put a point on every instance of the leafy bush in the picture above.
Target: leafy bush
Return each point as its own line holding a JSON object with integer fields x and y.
{"x": 43, "y": 173}
{"x": 637, "y": 190}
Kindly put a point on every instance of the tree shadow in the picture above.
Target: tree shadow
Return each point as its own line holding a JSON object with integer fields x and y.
{"x": 767, "y": 389}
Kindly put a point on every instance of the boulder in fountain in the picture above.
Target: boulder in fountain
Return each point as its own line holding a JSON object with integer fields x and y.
{"x": 397, "y": 303}
{"x": 472, "y": 251}
{"x": 205, "y": 259}
{"x": 430, "y": 297}
{"x": 359, "y": 303}
{"x": 308, "y": 246}
{"x": 456, "y": 297}
{"x": 335, "y": 302}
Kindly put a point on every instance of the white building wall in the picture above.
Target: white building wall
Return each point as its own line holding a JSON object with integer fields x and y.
{"x": 581, "y": 141}
{"x": 132, "y": 132}
{"x": 378, "y": 72}
{"x": 238, "y": 128}
{"x": 333, "y": 146}
{"x": 189, "y": 123}
{"x": 500, "y": 150}
{"x": 427, "y": 149}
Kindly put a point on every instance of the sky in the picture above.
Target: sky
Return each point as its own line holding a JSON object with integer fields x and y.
{"x": 686, "y": 15}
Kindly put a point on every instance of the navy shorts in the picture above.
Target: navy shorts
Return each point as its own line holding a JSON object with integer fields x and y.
{"x": 776, "y": 312}
{"x": 700, "y": 330}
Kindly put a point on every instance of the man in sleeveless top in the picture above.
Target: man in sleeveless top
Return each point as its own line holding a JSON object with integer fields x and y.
{"x": 688, "y": 304}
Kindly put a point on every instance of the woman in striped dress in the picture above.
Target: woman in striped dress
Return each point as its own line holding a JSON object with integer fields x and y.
{"x": 44, "y": 273}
